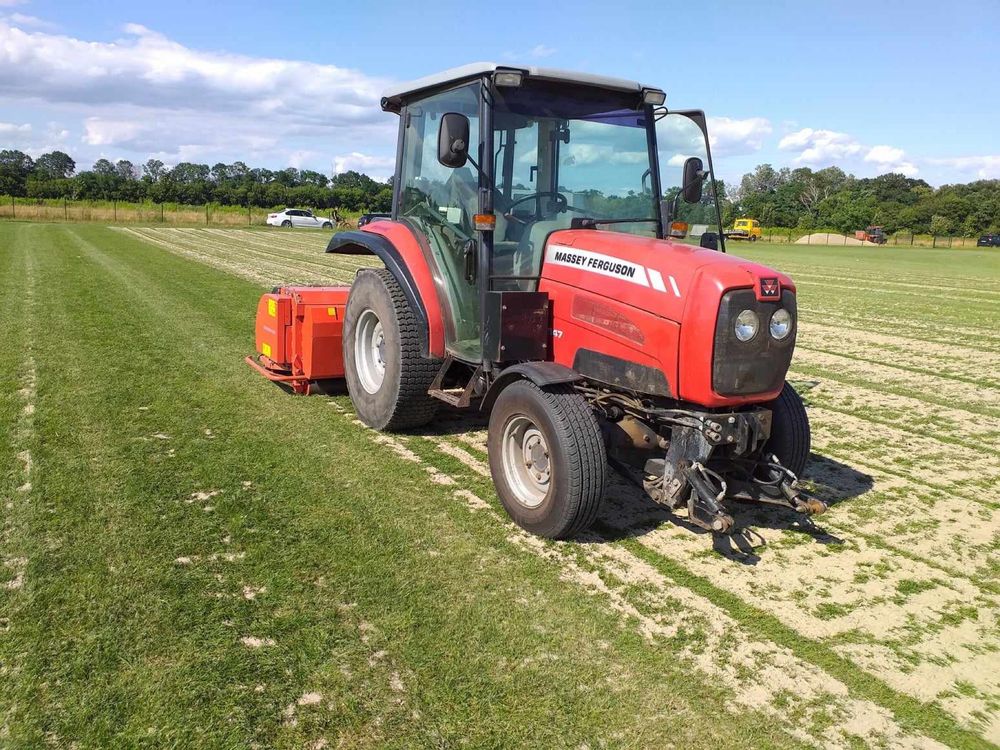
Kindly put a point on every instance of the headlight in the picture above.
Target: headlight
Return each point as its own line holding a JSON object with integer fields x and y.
{"x": 747, "y": 324}
{"x": 781, "y": 324}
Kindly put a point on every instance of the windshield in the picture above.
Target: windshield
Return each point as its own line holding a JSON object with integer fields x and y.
{"x": 678, "y": 137}
{"x": 562, "y": 152}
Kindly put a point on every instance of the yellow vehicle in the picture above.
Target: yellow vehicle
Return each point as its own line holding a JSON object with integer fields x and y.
{"x": 744, "y": 229}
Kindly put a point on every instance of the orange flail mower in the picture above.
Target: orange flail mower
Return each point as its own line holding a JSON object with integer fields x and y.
{"x": 299, "y": 333}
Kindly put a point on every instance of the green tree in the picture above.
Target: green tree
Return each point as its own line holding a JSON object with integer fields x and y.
{"x": 15, "y": 166}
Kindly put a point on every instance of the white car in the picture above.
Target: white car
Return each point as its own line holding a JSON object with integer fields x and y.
{"x": 299, "y": 217}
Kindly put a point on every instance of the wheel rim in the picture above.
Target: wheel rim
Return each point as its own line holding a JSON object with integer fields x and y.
{"x": 369, "y": 351}
{"x": 527, "y": 467}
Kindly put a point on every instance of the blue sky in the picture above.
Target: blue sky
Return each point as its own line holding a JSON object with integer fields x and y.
{"x": 870, "y": 86}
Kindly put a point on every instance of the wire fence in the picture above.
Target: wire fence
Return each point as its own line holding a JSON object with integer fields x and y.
{"x": 213, "y": 214}
{"x": 782, "y": 236}
{"x": 122, "y": 212}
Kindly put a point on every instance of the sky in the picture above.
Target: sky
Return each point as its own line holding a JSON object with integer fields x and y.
{"x": 872, "y": 87}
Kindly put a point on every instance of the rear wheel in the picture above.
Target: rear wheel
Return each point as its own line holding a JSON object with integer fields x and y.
{"x": 547, "y": 458}
{"x": 286, "y": 223}
{"x": 790, "y": 437}
{"x": 387, "y": 377}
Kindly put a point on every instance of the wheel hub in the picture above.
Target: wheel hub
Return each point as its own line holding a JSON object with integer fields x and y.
{"x": 370, "y": 351}
{"x": 526, "y": 463}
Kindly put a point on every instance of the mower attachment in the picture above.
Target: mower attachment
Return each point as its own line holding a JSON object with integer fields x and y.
{"x": 299, "y": 335}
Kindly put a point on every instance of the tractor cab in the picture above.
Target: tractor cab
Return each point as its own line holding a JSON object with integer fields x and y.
{"x": 494, "y": 160}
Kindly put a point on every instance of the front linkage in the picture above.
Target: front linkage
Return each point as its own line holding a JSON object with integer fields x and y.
{"x": 710, "y": 457}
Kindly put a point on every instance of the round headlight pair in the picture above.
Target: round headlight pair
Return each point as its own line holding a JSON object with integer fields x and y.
{"x": 748, "y": 323}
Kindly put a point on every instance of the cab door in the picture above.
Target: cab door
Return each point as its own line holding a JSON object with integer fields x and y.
{"x": 438, "y": 203}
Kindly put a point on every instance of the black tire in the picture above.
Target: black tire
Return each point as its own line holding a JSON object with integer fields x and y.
{"x": 753, "y": 237}
{"x": 790, "y": 437}
{"x": 286, "y": 223}
{"x": 576, "y": 459}
{"x": 327, "y": 225}
{"x": 401, "y": 400}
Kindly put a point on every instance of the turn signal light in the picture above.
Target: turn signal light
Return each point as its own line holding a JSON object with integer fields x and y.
{"x": 679, "y": 229}
{"x": 606, "y": 316}
{"x": 485, "y": 222}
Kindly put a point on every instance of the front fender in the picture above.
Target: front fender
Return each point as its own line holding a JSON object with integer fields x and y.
{"x": 541, "y": 374}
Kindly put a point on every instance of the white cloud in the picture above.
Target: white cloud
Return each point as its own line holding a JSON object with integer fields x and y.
{"x": 9, "y": 128}
{"x": 885, "y": 154}
{"x": 21, "y": 19}
{"x": 980, "y": 167}
{"x": 734, "y": 137}
{"x": 377, "y": 167}
{"x": 98, "y": 131}
{"x": 146, "y": 94}
{"x": 535, "y": 53}
{"x": 11, "y": 3}
{"x": 820, "y": 146}
{"x": 540, "y": 50}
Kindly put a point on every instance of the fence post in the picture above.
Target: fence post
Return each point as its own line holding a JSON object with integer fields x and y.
{"x": 933, "y": 240}
{"x": 911, "y": 239}
{"x": 13, "y": 211}
{"x": 249, "y": 216}
{"x": 114, "y": 208}
{"x": 206, "y": 214}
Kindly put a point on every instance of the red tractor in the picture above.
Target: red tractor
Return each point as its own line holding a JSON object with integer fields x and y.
{"x": 533, "y": 270}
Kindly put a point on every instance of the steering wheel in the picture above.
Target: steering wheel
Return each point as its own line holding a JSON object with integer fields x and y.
{"x": 561, "y": 204}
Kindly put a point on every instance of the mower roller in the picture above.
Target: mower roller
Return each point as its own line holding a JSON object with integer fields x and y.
{"x": 536, "y": 267}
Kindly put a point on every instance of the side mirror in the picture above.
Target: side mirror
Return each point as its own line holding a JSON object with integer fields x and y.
{"x": 709, "y": 241}
{"x": 693, "y": 179}
{"x": 453, "y": 140}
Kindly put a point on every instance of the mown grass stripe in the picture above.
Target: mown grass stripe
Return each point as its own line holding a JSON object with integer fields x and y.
{"x": 911, "y": 714}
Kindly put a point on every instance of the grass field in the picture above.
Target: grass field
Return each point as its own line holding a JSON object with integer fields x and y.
{"x": 190, "y": 557}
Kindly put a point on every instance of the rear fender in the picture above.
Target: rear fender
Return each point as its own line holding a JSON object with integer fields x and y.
{"x": 394, "y": 244}
{"x": 541, "y": 374}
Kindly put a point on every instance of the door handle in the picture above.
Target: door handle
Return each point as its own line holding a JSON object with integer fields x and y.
{"x": 470, "y": 256}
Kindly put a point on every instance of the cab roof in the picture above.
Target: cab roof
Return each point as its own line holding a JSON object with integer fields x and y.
{"x": 393, "y": 96}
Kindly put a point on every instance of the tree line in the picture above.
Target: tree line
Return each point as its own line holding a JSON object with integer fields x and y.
{"x": 790, "y": 198}
{"x": 830, "y": 198}
{"x": 54, "y": 175}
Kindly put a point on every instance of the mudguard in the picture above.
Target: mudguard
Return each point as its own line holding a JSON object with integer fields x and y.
{"x": 395, "y": 245}
{"x": 541, "y": 374}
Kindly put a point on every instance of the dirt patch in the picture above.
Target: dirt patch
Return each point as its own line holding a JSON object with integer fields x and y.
{"x": 252, "y": 641}
{"x": 832, "y": 238}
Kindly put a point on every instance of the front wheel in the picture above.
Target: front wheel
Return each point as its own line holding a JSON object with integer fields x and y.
{"x": 790, "y": 437}
{"x": 547, "y": 458}
{"x": 327, "y": 225}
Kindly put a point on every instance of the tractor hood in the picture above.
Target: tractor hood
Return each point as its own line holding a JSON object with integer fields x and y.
{"x": 656, "y": 316}
{"x": 658, "y": 276}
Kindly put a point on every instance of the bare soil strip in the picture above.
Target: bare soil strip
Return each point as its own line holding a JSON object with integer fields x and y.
{"x": 982, "y": 340}
{"x": 974, "y": 432}
{"x": 904, "y": 382}
{"x": 844, "y": 589}
{"x": 975, "y": 286}
{"x": 932, "y": 357}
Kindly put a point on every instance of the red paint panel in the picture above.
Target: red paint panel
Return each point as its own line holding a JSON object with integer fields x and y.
{"x": 412, "y": 254}
{"x": 654, "y": 280}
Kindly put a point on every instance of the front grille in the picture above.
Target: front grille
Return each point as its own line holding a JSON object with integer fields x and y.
{"x": 743, "y": 368}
